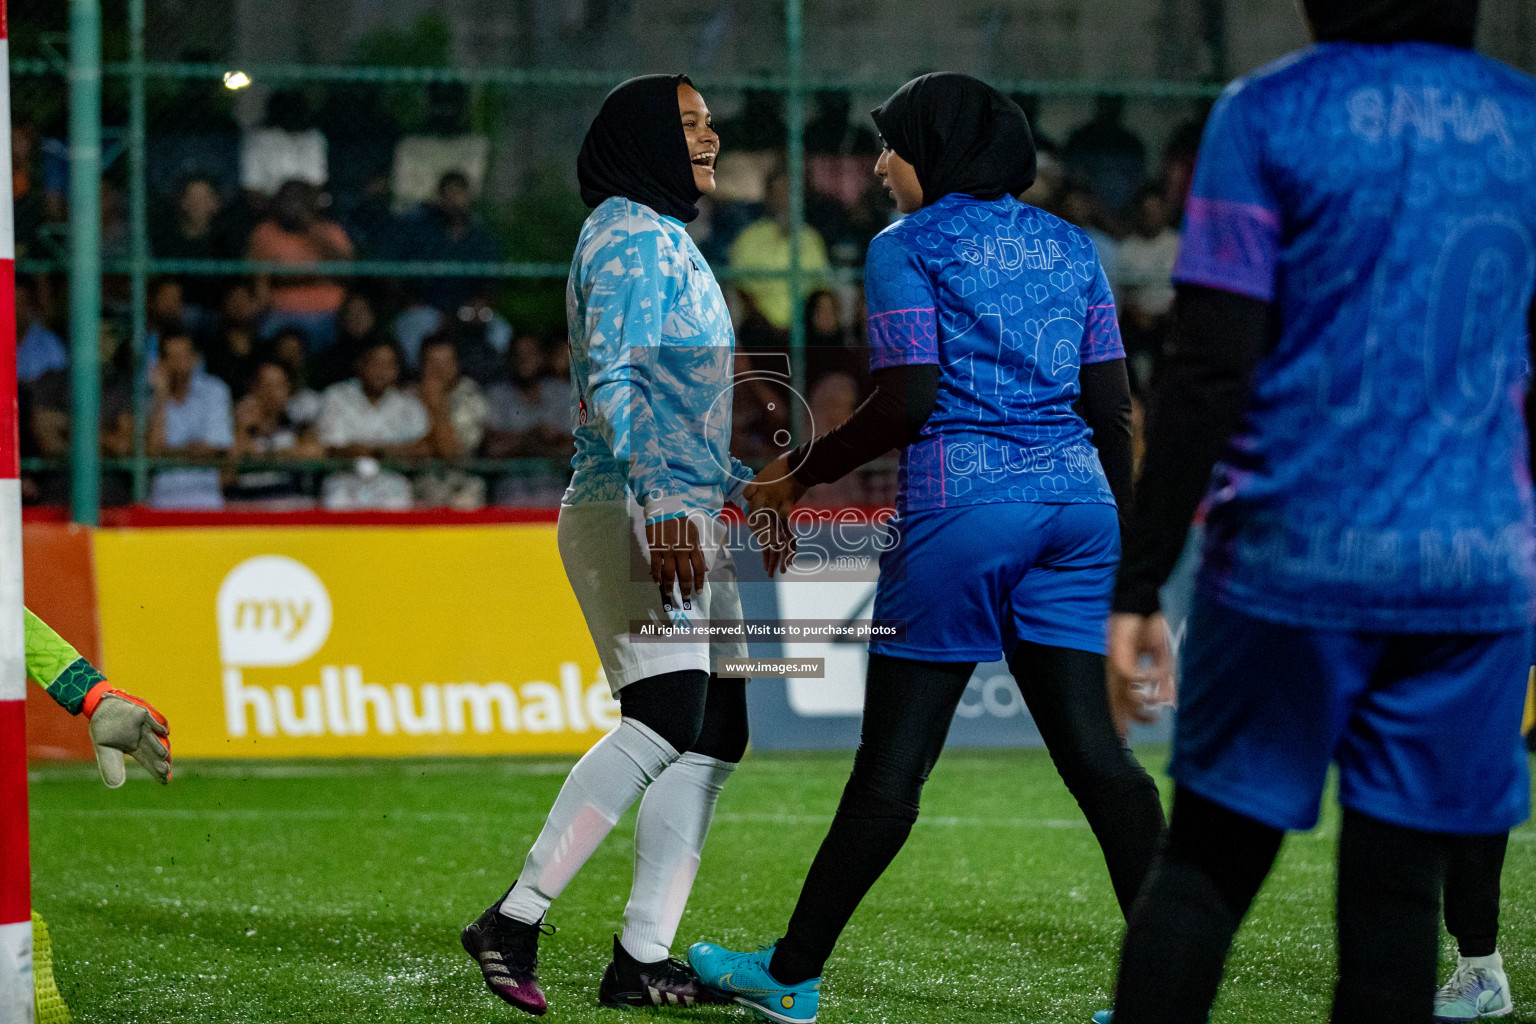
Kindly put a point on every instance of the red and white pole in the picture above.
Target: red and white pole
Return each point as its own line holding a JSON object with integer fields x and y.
{"x": 15, "y": 867}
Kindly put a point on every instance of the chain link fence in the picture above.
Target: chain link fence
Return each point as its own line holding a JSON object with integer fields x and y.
{"x": 303, "y": 204}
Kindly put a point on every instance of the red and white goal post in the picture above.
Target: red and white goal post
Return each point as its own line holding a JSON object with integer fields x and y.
{"x": 15, "y": 872}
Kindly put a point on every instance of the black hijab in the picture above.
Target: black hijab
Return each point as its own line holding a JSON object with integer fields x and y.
{"x": 961, "y": 135}
{"x": 636, "y": 149}
{"x": 1452, "y": 22}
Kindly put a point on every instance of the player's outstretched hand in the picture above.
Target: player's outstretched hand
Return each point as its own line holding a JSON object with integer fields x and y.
{"x": 676, "y": 558}
{"x": 775, "y": 537}
{"x": 123, "y": 724}
{"x": 1139, "y": 667}
{"x": 775, "y": 488}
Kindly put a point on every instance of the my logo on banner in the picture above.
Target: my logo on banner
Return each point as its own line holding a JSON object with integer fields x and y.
{"x": 275, "y": 612}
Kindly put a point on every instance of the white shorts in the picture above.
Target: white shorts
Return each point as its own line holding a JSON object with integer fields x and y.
{"x": 606, "y": 558}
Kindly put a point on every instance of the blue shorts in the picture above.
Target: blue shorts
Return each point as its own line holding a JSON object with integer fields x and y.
{"x": 971, "y": 582}
{"x": 1425, "y": 728}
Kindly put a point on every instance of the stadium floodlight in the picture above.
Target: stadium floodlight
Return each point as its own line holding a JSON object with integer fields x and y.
{"x": 236, "y": 80}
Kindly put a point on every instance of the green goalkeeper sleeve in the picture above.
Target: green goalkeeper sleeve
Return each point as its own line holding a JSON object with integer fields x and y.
{"x": 56, "y": 666}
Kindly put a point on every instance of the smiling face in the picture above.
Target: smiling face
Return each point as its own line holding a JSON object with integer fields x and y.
{"x": 900, "y": 180}
{"x": 703, "y": 143}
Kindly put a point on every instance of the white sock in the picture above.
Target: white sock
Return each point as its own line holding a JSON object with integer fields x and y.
{"x": 669, "y": 839}
{"x": 607, "y": 779}
{"x": 1492, "y": 962}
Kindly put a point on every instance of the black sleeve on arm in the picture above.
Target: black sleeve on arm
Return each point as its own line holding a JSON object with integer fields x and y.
{"x": 1219, "y": 339}
{"x": 891, "y": 417}
{"x": 1105, "y": 406}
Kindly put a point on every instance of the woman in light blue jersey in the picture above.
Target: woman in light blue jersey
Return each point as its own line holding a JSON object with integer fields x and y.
{"x": 651, "y": 362}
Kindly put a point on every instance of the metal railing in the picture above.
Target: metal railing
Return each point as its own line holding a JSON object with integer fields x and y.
{"x": 84, "y": 69}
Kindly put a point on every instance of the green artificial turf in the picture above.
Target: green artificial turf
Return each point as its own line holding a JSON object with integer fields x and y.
{"x": 334, "y": 892}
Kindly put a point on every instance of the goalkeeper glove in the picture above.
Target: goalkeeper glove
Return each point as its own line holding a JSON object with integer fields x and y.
{"x": 123, "y": 724}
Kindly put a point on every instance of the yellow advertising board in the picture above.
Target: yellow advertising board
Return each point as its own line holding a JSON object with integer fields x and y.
{"x": 352, "y": 641}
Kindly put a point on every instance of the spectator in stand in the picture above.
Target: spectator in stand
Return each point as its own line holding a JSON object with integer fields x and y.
{"x": 1047, "y": 191}
{"x": 230, "y": 347}
{"x": 531, "y": 417}
{"x": 45, "y": 417}
{"x": 1029, "y": 102}
{"x": 115, "y": 241}
{"x": 828, "y": 348}
{"x": 764, "y": 245}
{"x": 51, "y": 394}
{"x": 38, "y": 349}
{"x": 1178, "y": 172}
{"x": 869, "y": 216}
{"x": 360, "y": 138}
{"x": 29, "y": 205}
{"x": 760, "y": 407}
{"x": 264, "y": 428}
{"x": 190, "y": 417}
{"x": 164, "y": 304}
{"x": 456, "y": 414}
{"x": 481, "y": 338}
{"x": 163, "y": 311}
{"x": 445, "y": 143}
{"x": 291, "y": 348}
{"x": 828, "y": 128}
{"x": 287, "y": 148}
{"x": 481, "y": 334}
{"x": 193, "y": 230}
{"x": 530, "y": 412}
{"x": 833, "y": 400}
{"x": 760, "y": 124}
{"x": 369, "y": 219}
{"x": 295, "y": 233}
{"x": 447, "y": 229}
{"x": 356, "y": 324}
{"x": 369, "y": 418}
{"x": 1081, "y": 206}
{"x": 357, "y": 327}
{"x": 192, "y": 131}
{"x": 1108, "y": 155}
{"x": 557, "y": 358}
{"x": 1147, "y": 257}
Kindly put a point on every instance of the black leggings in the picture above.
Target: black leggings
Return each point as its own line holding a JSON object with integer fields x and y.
{"x": 1206, "y": 877}
{"x": 1472, "y": 870}
{"x": 908, "y": 706}
{"x": 693, "y": 711}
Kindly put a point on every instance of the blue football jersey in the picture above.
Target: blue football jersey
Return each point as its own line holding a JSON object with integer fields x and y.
{"x": 1009, "y": 302}
{"x": 1383, "y": 197}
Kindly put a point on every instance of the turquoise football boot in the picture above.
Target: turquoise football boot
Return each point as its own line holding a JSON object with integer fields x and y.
{"x": 1477, "y": 991}
{"x": 744, "y": 978}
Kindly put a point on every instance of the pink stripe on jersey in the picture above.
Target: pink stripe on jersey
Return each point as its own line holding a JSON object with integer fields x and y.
{"x": 1231, "y": 246}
